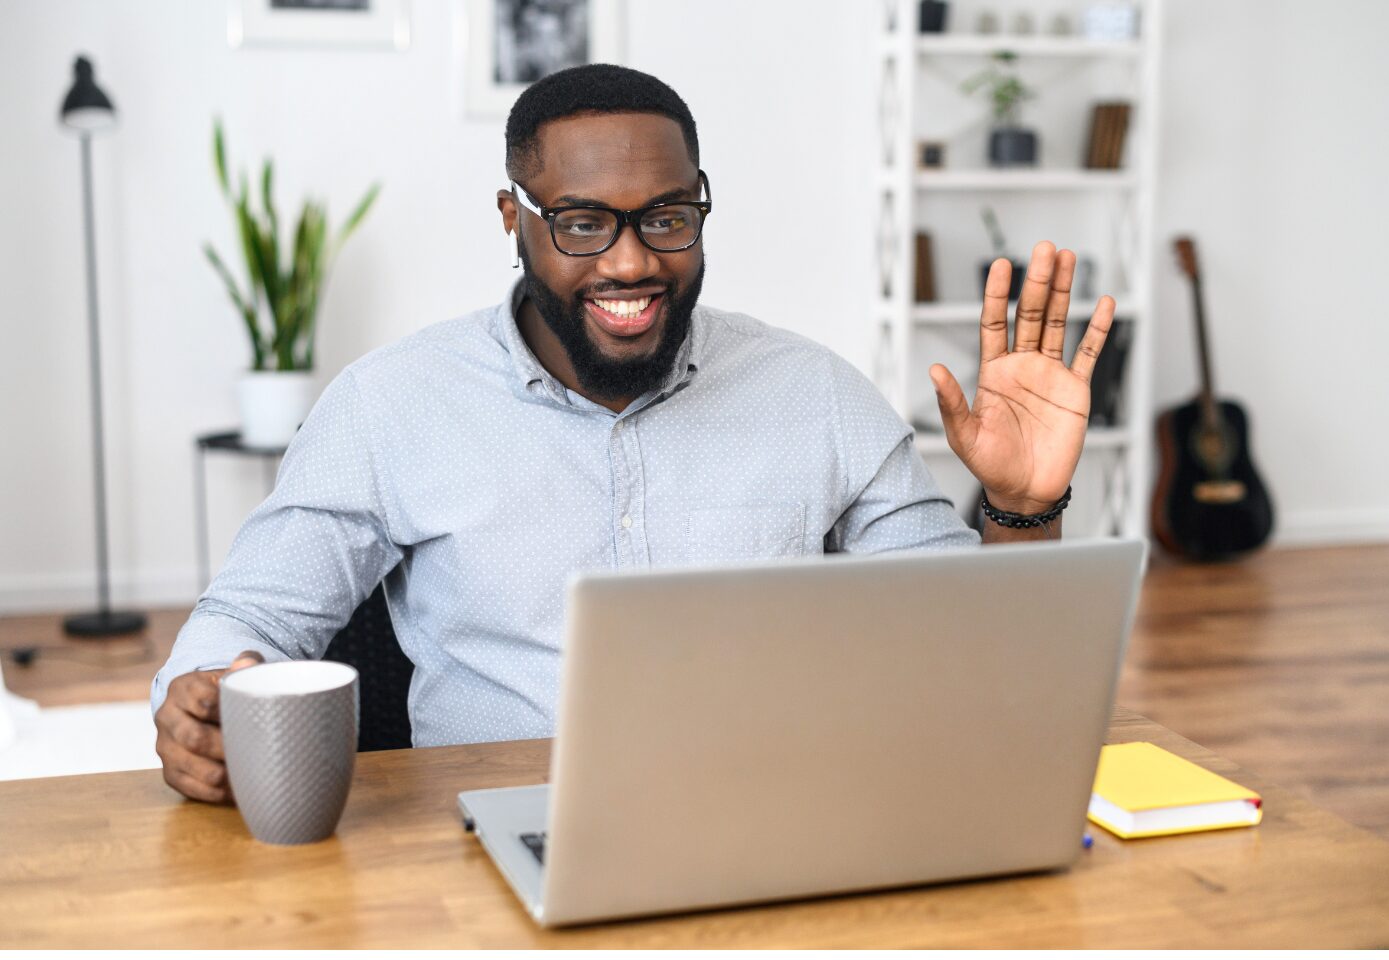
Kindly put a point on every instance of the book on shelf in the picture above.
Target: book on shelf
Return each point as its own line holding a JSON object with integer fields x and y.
{"x": 925, "y": 272}
{"x": 1109, "y": 124}
{"x": 1142, "y": 790}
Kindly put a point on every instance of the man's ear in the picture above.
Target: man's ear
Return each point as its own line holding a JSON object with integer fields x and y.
{"x": 506, "y": 203}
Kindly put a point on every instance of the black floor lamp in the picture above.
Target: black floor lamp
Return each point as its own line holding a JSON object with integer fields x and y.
{"x": 86, "y": 111}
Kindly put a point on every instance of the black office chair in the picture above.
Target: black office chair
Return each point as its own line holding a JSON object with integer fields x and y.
{"x": 369, "y": 644}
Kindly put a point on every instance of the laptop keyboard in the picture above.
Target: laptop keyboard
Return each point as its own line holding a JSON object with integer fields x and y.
{"x": 535, "y": 843}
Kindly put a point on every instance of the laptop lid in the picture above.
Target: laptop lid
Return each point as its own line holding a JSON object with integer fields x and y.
{"x": 831, "y": 724}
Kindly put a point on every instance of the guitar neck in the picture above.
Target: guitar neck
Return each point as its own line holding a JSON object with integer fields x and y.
{"x": 1207, "y": 395}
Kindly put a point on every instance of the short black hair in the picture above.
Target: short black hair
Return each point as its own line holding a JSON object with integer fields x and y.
{"x": 592, "y": 88}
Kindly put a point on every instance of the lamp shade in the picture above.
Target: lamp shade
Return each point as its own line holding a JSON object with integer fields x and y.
{"x": 86, "y": 106}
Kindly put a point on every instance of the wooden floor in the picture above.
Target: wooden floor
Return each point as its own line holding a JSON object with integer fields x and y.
{"x": 1280, "y": 663}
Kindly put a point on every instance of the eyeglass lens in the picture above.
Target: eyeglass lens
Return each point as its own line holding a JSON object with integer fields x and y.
{"x": 671, "y": 227}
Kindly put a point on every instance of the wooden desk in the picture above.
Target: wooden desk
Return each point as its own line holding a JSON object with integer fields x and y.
{"x": 120, "y": 861}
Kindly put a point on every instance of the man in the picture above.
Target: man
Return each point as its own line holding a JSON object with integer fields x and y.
{"x": 600, "y": 419}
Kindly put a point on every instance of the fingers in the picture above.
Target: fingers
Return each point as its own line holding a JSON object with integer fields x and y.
{"x": 190, "y": 733}
{"x": 1032, "y": 304}
{"x": 1058, "y": 305}
{"x": 246, "y": 658}
{"x": 1083, "y": 365}
{"x": 195, "y": 777}
{"x": 189, "y": 743}
{"x": 195, "y": 694}
{"x": 993, "y": 321}
{"x": 960, "y": 428}
{"x": 191, "y": 753}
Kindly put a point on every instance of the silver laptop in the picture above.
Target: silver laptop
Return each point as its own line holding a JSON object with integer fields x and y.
{"x": 826, "y": 725}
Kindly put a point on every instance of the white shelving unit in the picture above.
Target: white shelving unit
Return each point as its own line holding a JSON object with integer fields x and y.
{"x": 1107, "y": 215}
{"x": 1041, "y": 180}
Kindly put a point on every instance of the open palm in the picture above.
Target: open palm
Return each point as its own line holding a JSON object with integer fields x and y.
{"x": 1022, "y": 440}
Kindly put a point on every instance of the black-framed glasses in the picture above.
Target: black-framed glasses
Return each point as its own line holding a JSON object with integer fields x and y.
{"x": 588, "y": 230}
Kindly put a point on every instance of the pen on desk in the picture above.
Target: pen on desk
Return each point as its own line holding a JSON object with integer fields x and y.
{"x": 1087, "y": 841}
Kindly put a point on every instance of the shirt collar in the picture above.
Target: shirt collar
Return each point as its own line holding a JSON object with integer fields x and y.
{"x": 532, "y": 376}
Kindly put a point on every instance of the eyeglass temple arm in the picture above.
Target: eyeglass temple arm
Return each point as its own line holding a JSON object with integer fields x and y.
{"x": 525, "y": 199}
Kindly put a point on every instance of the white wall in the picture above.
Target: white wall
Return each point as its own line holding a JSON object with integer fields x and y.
{"x": 432, "y": 248}
{"x": 1273, "y": 133}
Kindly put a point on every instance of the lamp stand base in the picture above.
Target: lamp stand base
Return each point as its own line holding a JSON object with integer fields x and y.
{"x": 103, "y": 623}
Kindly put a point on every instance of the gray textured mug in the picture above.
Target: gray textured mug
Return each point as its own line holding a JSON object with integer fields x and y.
{"x": 290, "y": 735}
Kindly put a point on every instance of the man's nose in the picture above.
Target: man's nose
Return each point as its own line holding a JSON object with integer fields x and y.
{"x": 628, "y": 260}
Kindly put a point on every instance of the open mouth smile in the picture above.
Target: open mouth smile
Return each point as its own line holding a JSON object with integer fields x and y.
{"x": 627, "y": 317}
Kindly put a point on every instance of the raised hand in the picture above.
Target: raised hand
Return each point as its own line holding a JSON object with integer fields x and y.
{"x": 1023, "y": 438}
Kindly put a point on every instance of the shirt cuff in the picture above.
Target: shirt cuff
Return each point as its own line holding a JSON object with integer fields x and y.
{"x": 209, "y": 641}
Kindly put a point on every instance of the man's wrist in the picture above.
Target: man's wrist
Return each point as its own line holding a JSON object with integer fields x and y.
{"x": 1022, "y": 505}
{"x": 1016, "y": 519}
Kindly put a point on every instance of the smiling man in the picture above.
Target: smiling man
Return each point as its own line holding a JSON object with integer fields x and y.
{"x": 600, "y": 418}
{"x": 622, "y": 310}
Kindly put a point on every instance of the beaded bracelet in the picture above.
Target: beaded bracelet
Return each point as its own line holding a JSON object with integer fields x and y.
{"x": 1019, "y": 520}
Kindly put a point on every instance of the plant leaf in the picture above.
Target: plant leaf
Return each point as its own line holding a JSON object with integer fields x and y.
{"x": 263, "y": 269}
{"x": 257, "y": 345}
{"x": 219, "y": 156}
{"x": 226, "y": 276}
{"x": 314, "y": 255}
{"x": 362, "y": 207}
{"x": 246, "y": 231}
{"x": 246, "y": 310}
{"x": 272, "y": 225}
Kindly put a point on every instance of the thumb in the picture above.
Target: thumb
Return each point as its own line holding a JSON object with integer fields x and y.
{"x": 960, "y": 428}
{"x": 246, "y": 658}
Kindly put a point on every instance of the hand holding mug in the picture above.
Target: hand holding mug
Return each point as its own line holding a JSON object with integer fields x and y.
{"x": 189, "y": 741}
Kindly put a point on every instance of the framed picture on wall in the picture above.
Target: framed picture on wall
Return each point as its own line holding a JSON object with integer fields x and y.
{"x": 383, "y": 24}
{"x": 502, "y": 46}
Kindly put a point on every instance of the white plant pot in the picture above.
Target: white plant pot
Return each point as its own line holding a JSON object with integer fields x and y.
{"x": 273, "y": 404}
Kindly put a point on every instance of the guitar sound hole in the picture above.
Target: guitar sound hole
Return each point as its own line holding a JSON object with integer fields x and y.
{"x": 1213, "y": 449}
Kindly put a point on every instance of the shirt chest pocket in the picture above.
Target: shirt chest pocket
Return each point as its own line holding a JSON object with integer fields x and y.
{"x": 745, "y": 531}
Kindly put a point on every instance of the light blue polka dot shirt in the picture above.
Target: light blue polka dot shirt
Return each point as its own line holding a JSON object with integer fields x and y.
{"x": 454, "y": 466}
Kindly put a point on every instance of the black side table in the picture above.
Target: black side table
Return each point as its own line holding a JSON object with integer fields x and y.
{"x": 228, "y": 442}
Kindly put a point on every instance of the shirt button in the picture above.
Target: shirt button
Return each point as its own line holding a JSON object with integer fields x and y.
{"x": 627, "y": 522}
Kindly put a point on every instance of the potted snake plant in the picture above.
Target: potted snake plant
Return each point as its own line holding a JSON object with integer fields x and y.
{"x": 279, "y": 302}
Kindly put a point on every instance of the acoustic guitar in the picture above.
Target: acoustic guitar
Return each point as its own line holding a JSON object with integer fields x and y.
{"x": 1209, "y": 503}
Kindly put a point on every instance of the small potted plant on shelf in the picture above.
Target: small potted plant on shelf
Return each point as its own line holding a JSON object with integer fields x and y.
{"x": 279, "y": 303}
{"x": 1000, "y": 246}
{"x": 1010, "y": 144}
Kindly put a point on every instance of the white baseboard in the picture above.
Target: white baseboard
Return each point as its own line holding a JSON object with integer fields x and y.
{"x": 178, "y": 587}
{"x": 1331, "y": 527}
{"x": 76, "y": 592}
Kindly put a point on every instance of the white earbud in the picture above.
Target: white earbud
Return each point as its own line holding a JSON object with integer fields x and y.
{"x": 515, "y": 249}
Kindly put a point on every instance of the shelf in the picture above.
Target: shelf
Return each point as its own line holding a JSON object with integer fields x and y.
{"x": 929, "y": 442}
{"x": 987, "y": 45}
{"x": 1040, "y": 180}
{"x": 1109, "y": 211}
{"x": 967, "y": 311}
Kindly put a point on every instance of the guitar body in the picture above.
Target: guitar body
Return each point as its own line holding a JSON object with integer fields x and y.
{"x": 1209, "y": 503}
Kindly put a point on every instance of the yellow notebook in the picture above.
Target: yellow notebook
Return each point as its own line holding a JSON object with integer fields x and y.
{"x": 1141, "y": 790}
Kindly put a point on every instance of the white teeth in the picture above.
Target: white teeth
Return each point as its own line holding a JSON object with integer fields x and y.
{"x": 624, "y": 308}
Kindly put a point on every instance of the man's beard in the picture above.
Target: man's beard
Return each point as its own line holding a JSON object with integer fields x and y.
{"x": 603, "y": 377}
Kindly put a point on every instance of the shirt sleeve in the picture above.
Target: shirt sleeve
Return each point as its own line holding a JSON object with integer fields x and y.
{"x": 305, "y": 558}
{"x": 901, "y": 508}
{"x": 892, "y": 501}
